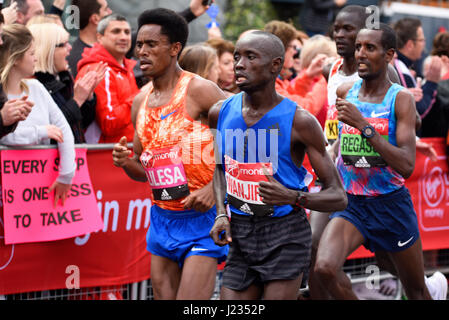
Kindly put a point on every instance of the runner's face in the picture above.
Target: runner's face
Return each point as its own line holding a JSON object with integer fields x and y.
{"x": 154, "y": 50}
{"x": 344, "y": 33}
{"x": 252, "y": 66}
{"x": 371, "y": 58}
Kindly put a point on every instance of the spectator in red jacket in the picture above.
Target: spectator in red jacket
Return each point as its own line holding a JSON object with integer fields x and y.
{"x": 116, "y": 92}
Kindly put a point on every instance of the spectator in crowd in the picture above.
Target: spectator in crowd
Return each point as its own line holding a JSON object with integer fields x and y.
{"x": 317, "y": 15}
{"x": 314, "y": 98}
{"x": 76, "y": 101}
{"x": 11, "y": 111}
{"x": 26, "y": 9}
{"x": 200, "y": 59}
{"x": 117, "y": 90}
{"x": 226, "y": 77}
{"x": 411, "y": 43}
{"x": 46, "y": 121}
{"x": 301, "y": 38}
{"x": 436, "y": 122}
{"x": 315, "y": 48}
{"x": 90, "y": 12}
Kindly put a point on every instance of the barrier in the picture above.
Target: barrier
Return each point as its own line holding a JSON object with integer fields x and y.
{"x": 114, "y": 260}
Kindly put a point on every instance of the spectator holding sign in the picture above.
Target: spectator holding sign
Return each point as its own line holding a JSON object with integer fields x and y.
{"x": 45, "y": 121}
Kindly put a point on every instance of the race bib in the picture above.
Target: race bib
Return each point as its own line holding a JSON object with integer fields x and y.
{"x": 331, "y": 125}
{"x": 165, "y": 173}
{"x": 356, "y": 150}
{"x": 242, "y": 186}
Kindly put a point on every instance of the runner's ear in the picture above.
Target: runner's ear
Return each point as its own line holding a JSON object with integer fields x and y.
{"x": 175, "y": 49}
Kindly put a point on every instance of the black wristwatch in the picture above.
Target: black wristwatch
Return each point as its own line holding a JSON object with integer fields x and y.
{"x": 368, "y": 131}
{"x": 301, "y": 200}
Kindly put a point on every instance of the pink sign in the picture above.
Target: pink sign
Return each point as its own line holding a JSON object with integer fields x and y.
{"x": 29, "y": 213}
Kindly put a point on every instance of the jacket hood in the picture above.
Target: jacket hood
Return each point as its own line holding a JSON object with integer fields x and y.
{"x": 98, "y": 53}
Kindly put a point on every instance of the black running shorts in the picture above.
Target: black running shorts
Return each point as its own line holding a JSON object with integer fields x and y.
{"x": 267, "y": 248}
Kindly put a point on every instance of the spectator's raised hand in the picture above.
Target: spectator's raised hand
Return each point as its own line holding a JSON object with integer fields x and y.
{"x": 83, "y": 87}
{"x": 316, "y": 66}
{"x": 16, "y": 110}
{"x": 433, "y": 71}
{"x": 10, "y": 13}
{"x": 199, "y": 7}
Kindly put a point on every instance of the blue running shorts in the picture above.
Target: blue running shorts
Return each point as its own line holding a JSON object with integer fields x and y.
{"x": 177, "y": 235}
{"x": 387, "y": 222}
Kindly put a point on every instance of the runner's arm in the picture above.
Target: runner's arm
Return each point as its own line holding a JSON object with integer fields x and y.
{"x": 219, "y": 185}
{"x": 332, "y": 196}
{"x": 120, "y": 152}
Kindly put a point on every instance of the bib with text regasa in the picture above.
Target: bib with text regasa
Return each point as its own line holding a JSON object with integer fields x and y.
{"x": 165, "y": 173}
{"x": 242, "y": 186}
{"x": 357, "y": 151}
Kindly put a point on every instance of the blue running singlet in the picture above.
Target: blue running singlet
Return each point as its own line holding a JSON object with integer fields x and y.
{"x": 249, "y": 153}
{"x": 362, "y": 169}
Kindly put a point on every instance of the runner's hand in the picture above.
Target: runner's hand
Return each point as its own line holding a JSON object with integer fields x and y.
{"x": 349, "y": 114}
{"x": 200, "y": 200}
{"x": 120, "y": 153}
{"x": 221, "y": 225}
{"x": 61, "y": 192}
{"x": 274, "y": 193}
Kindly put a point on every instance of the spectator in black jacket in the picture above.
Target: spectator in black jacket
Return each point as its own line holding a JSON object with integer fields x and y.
{"x": 76, "y": 100}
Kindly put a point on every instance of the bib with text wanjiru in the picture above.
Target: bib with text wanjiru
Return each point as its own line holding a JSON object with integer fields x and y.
{"x": 242, "y": 186}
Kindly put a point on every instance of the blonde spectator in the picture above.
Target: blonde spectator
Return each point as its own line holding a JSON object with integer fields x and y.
{"x": 315, "y": 46}
{"x": 202, "y": 60}
{"x": 45, "y": 121}
{"x": 45, "y": 18}
{"x": 76, "y": 100}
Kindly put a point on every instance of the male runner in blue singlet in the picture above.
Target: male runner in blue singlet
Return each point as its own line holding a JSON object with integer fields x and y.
{"x": 376, "y": 153}
{"x": 261, "y": 139}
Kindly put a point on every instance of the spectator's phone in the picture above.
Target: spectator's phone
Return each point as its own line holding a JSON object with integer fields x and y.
{"x": 207, "y": 2}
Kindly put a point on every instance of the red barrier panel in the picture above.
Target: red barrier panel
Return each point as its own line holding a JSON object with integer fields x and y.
{"x": 115, "y": 255}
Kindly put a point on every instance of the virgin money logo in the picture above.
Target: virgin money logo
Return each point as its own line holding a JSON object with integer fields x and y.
{"x": 146, "y": 157}
{"x": 434, "y": 187}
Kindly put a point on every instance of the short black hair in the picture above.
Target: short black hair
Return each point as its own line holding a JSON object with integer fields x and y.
{"x": 358, "y": 12}
{"x": 172, "y": 24}
{"x": 406, "y": 29}
{"x": 86, "y": 8}
{"x": 388, "y": 38}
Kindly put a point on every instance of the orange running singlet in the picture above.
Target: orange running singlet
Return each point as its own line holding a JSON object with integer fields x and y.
{"x": 177, "y": 155}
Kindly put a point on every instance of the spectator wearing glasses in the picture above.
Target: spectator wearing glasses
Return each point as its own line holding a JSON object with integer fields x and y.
{"x": 76, "y": 100}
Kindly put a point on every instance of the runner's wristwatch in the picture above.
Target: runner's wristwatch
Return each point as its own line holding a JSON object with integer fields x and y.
{"x": 301, "y": 200}
{"x": 368, "y": 131}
